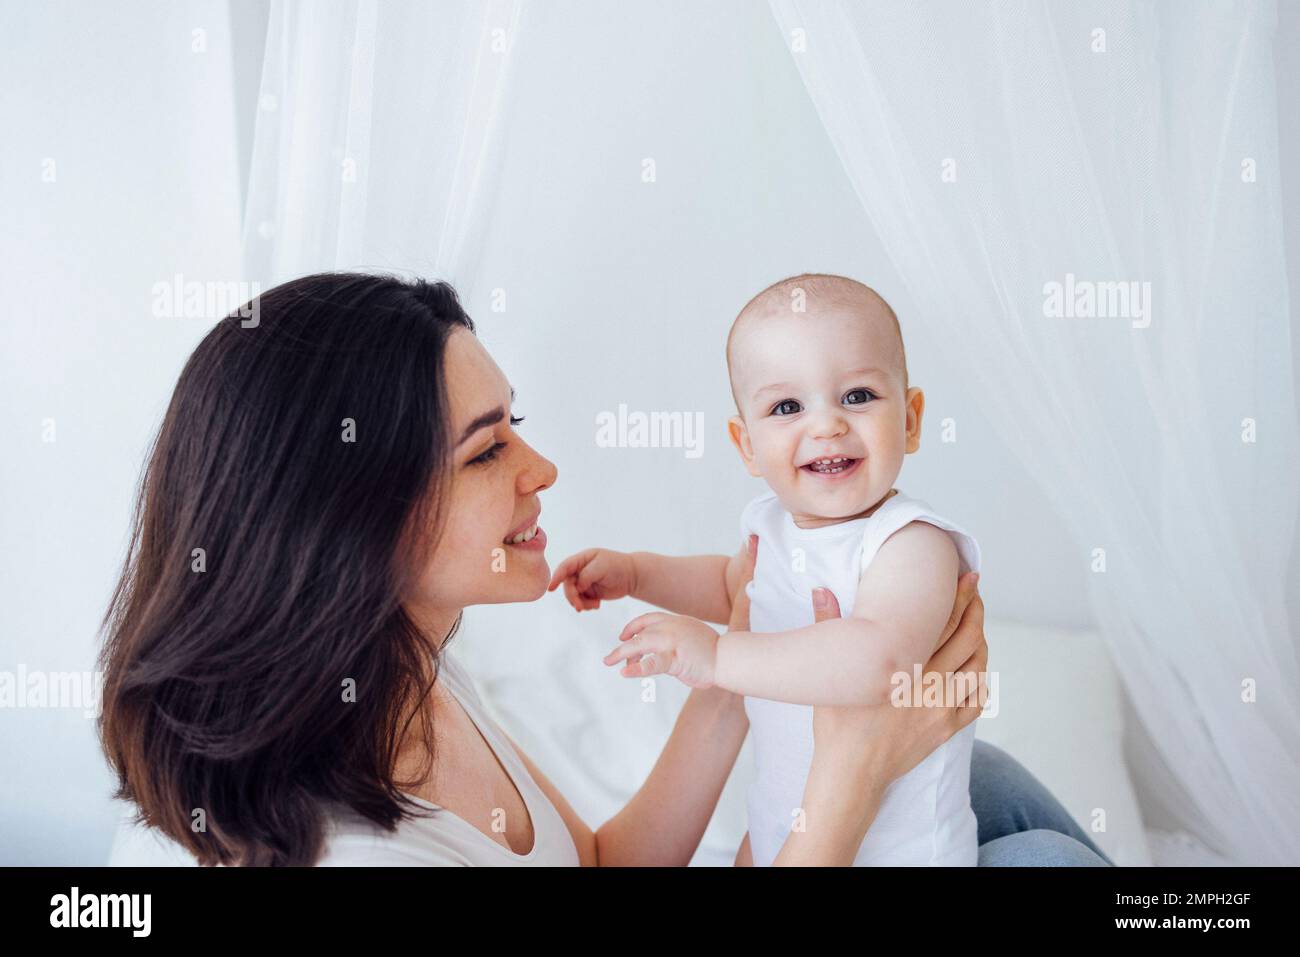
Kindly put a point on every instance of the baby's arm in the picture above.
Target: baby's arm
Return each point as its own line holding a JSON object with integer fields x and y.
{"x": 700, "y": 586}
{"x": 903, "y": 602}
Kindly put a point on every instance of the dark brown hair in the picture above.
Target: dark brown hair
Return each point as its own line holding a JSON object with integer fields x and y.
{"x": 225, "y": 669}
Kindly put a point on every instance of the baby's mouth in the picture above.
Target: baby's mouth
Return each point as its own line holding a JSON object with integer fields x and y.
{"x": 831, "y": 465}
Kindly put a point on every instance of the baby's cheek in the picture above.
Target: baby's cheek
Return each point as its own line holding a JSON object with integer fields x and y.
{"x": 777, "y": 467}
{"x": 773, "y": 452}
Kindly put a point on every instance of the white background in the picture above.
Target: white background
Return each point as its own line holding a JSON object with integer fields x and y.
{"x": 617, "y": 291}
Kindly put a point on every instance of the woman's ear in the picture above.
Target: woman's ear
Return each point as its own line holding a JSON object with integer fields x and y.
{"x": 740, "y": 439}
{"x": 915, "y": 403}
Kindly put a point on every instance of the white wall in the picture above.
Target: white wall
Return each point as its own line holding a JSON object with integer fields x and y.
{"x": 131, "y": 117}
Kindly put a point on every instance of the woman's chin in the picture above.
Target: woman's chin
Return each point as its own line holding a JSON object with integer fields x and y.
{"x": 539, "y": 589}
{"x": 527, "y": 586}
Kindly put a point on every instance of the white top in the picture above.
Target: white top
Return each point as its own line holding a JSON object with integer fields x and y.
{"x": 445, "y": 839}
{"x": 925, "y": 816}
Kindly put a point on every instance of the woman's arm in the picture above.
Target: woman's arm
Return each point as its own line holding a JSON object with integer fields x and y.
{"x": 662, "y": 824}
{"x": 664, "y": 821}
{"x": 667, "y": 817}
{"x": 744, "y": 855}
{"x": 838, "y": 809}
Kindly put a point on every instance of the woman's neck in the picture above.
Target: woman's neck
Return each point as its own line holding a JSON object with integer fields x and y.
{"x": 435, "y": 624}
{"x": 412, "y": 753}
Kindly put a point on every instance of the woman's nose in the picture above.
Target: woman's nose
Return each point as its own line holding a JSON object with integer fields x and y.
{"x": 538, "y": 472}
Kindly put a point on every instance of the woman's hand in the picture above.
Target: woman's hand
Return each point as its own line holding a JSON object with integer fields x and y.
{"x": 859, "y": 751}
{"x": 740, "y": 600}
{"x": 896, "y": 739}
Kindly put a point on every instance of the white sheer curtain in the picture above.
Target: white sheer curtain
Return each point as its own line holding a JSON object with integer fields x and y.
{"x": 1002, "y": 147}
{"x": 374, "y": 145}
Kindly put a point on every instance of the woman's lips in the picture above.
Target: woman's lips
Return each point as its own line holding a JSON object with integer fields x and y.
{"x": 535, "y": 544}
{"x": 845, "y": 468}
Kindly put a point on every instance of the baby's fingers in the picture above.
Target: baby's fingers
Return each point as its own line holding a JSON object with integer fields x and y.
{"x": 569, "y": 568}
{"x": 561, "y": 574}
{"x": 571, "y": 594}
{"x": 651, "y": 663}
{"x": 628, "y": 650}
{"x": 577, "y": 599}
{"x": 640, "y": 623}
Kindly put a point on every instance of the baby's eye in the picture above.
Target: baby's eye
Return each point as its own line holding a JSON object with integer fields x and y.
{"x": 857, "y": 397}
{"x": 786, "y": 407}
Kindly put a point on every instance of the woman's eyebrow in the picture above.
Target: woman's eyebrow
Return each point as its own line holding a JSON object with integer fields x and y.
{"x": 484, "y": 420}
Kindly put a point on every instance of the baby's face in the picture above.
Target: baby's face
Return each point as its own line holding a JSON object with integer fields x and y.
{"x": 825, "y": 417}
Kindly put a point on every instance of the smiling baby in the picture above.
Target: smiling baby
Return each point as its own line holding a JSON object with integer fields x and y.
{"x": 825, "y": 415}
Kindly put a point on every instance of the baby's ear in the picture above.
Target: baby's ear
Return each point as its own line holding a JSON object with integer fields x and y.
{"x": 740, "y": 439}
{"x": 915, "y": 403}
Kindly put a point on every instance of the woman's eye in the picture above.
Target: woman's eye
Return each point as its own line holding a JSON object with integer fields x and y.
{"x": 857, "y": 397}
{"x": 489, "y": 455}
{"x": 786, "y": 407}
{"x": 492, "y": 453}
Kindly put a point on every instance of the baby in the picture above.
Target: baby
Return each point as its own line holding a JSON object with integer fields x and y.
{"x": 819, "y": 376}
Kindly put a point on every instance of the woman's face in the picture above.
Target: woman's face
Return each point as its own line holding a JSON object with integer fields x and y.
{"x": 491, "y": 495}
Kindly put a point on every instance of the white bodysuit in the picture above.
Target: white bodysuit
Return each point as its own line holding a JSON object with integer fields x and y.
{"x": 925, "y": 817}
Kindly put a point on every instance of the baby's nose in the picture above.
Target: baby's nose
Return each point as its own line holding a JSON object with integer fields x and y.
{"x": 828, "y": 425}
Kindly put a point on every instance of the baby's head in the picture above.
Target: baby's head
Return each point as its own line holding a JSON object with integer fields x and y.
{"x": 819, "y": 374}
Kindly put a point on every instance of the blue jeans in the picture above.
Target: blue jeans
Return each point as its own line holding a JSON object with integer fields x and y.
{"x": 1020, "y": 823}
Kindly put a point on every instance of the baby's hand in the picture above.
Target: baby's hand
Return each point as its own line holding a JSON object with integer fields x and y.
{"x": 662, "y": 644}
{"x": 593, "y": 576}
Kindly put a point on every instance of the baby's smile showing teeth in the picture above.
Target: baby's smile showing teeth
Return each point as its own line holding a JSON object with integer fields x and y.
{"x": 525, "y": 536}
{"x": 831, "y": 465}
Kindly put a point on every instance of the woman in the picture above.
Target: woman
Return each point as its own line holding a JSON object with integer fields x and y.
{"x": 328, "y": 491}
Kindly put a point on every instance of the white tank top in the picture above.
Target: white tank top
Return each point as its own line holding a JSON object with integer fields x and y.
{"x": 445, "y": 839}
{"x": 925, "y": 817}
